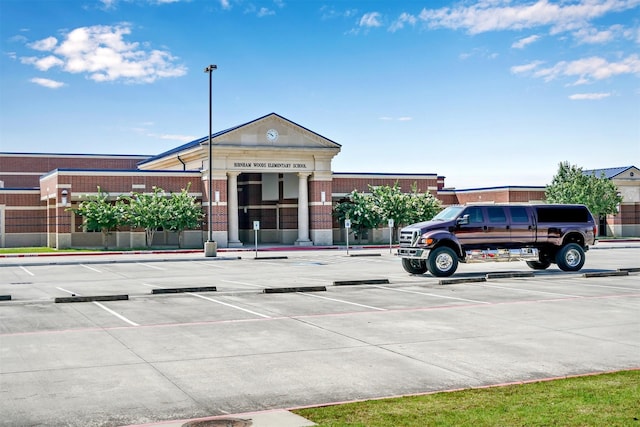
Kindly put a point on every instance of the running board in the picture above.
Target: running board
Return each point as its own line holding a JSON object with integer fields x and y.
{"x": 502, "y": 255}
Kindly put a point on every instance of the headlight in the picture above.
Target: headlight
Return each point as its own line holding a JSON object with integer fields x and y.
{"x": 426, "y": 241}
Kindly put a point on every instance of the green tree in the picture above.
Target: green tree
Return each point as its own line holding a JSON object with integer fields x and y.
{"x": 185, "y": 213}
{"x": 368, "y": 211}
{"x": 405, "y": 208}
{"x": 149, "y": 211}
{"x": 572, "y": 185}
{"x": 100, "y": 214}
{"x": 361, "y": 209}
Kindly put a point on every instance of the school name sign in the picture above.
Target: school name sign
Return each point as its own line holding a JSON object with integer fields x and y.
{"x": 261, "y": 165}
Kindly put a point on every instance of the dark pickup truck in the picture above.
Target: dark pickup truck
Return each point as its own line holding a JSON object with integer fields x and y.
{"x": 541, "y": 235}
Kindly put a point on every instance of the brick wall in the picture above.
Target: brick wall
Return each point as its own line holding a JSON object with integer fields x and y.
{"x": 14, "y": 166}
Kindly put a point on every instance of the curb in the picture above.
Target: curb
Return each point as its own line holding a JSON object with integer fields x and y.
{"x": 91, "y": 298}
{"x": 181, "y": 290}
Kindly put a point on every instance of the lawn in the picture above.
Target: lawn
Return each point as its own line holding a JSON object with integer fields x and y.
{"x": 38, "y": 250}
{"x": 611, "y": 399}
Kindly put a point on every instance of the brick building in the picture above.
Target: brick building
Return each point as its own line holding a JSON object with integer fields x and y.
{"x": 270, "y": 170}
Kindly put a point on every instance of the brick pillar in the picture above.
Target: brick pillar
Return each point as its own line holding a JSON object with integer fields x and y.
{"x": 321, "y": 220}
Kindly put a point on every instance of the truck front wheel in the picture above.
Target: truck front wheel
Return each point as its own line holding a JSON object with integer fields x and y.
{"x": 414, "y": 266}
{"x": 443, "y": 262}
{"x": 570, "y": 257}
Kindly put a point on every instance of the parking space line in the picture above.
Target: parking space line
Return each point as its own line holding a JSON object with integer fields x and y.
{"x": 150, "y": 266}
{"x": 531, "y": 291}
{"x": 433, "y": 295}
{"x": 211, "y": 264}
{"x": 626, "y": 288}
{"x": 342, "y": 301}
{"x": 229, "y": 305}
{"x": 91, "y": 268}
{"x": 118, "y": 315}
{"x": 102, "y": 306}
{"x": 27, "y": 271}
{"x": 242, "y": 283}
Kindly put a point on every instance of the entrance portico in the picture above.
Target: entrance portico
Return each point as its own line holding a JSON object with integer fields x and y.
{"x": 269, "y": 170}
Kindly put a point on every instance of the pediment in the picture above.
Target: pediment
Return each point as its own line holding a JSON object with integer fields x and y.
{"x": 283, "y": 133}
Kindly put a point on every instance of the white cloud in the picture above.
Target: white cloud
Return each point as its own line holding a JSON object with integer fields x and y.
{"x": 102, "y": 53}
{"x": 399, "y": 119}
{"x": 591, "y": 35}
{"x": 502, "y": 15}
{"x": 404, "y": 18}
{"x": 590, "y": 69}
{"x": 42, "y": 64}
{"x": 265, "y": 12}
{"x": 225, "y": 4}
{"x": 371, "y": 19}
{"x": 44, "y": 44}
{"x": 588, "y": 96}
{"x": 51, "y": 84}
{"x": 525, "y": 68}
{"x": 520, "y": 44}
{"x": 109, "y": 4}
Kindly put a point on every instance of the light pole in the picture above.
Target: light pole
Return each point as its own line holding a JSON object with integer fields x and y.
{"x": 210, "y": 247}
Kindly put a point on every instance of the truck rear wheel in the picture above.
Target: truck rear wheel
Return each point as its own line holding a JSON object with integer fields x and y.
{"x": 414, "y": 266}
{"x": 443, "y": 262}
{"x": 570, "y": 257}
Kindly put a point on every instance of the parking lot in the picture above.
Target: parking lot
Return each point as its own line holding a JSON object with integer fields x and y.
{"x": 293, "y": 328}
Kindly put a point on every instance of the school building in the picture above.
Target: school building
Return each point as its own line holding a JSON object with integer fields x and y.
{"x": 270, "y": 170}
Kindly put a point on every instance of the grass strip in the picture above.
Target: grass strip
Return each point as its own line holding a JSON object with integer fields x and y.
{"x": 611, "y": 399}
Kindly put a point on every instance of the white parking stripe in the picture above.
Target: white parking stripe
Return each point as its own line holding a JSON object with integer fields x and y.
{"x": 229, "y": 305}
{"x": 242, "y": 283}
{"x": 342, "y": 301}
{"x": 27, "y": 271}
{"x": 150, "y": 266}
{"x": 91, "y": 268}
{"x": 118, "y": 315}
{"x": 433, "y": 295}
{"x": 108, "y": 310}
{"x": 531, "y": 291}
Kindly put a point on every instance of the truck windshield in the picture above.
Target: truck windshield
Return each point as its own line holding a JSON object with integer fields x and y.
{"x": 449, "y": 213}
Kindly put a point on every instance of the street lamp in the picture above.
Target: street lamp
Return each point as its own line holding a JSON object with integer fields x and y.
{"x": 210, "y": 246}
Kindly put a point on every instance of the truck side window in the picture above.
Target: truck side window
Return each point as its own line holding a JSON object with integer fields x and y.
{"x": 496, "y": 214}
{"x": 475, "y": 215}
{"x": 519, "y": 214}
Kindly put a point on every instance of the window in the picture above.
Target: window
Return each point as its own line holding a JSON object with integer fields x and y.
{"x": 519, "y": 214}
{"x": 475, "y": 215}
{"x": 563, "y": 214}
{"x": 496, "y": 215}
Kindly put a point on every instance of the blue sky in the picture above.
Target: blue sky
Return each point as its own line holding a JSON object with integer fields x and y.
{"x": 486, "y": 93}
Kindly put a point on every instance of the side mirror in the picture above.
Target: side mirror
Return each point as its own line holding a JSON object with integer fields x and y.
{"x": 463, "y": 220}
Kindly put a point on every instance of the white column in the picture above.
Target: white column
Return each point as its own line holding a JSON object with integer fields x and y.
{"x": 303, "y": 210}
{"x": 232, "y": 209}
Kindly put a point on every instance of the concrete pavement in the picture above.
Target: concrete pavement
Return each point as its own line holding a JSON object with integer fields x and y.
{"x": 157, "y": 358}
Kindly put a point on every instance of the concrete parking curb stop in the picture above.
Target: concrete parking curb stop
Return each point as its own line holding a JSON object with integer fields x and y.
{"x": 509, "y": 275}
{"x": 606, "y": 274}
{"x": 295, "y": 289}
{"x": 91, "y": 298}
{"x": 361, "y": 282}
{"x": 465, "y": 280}
{"x": 179, "y": 290}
